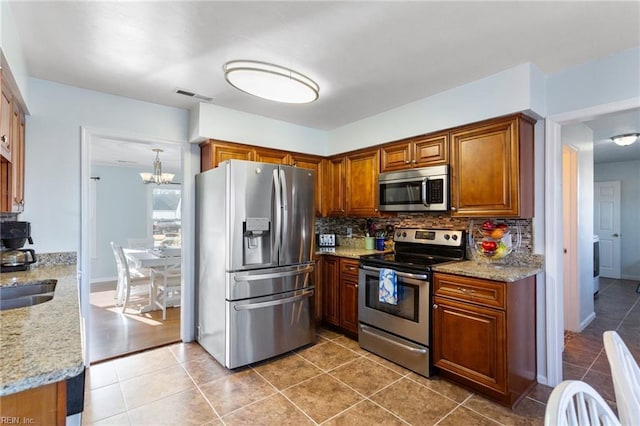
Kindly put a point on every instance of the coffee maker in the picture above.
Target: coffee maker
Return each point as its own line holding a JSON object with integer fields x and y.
{"x": 14, "y": 235}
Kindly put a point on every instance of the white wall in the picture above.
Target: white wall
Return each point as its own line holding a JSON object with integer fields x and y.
{"x": 214, "y": 122}
{"x": 581, "y": 137}
{"x": 11, "y": 48}
{"x": 609, "y": 79}
{"x": 121, "y": 213}
{"x": 628, "y": 173}
{"x": 52, "y": 183}
{"x": 520, "y": 88}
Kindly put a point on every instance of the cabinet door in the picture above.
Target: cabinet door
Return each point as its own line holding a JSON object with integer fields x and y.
{"x": 314, "y": 163}
{"x": 44, "y": 405}
{"x": 5, "y": 125}
{"x": 330, "y": 290}
{"x": 396, "y": 156}
{"x": 272, "y": 156}
{"x": 18, "y": 159}
{"x": 349, "y": 303}
{"x": 361, "y": 176}
{"x": 214, "y": 152}
{"x": 333, "y": 188}
{"x": 490, "y": 170}
{"x": 430, "y": 150}
{"x": 469, "y": 342}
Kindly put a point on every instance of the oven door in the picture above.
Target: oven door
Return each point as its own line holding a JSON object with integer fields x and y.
{"x": 409, "y": 318}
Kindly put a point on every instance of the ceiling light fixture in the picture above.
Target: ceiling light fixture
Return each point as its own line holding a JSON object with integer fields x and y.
{"x": 157, "y": 176}
{"x": 624, "y": 140}
{"x": 272, "y": 82}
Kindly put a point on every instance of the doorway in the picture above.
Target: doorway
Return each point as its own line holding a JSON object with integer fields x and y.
{"x": 109, "y": 332}
{"x": 607, "y": 226}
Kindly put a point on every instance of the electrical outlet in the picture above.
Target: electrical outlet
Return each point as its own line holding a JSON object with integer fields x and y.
{"x": 349, "y": 233}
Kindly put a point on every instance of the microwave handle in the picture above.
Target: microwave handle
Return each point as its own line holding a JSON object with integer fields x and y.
{"x": 424, "y": 192}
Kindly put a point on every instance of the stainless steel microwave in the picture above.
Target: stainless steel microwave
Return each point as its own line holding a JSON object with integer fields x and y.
{"x": 414, "y": 190}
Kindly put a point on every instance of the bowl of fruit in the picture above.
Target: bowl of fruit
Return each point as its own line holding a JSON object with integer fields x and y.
{"x": 492, "y": 241}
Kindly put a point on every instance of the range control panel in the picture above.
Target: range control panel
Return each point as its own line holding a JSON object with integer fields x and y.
{"x": 441, "y": 237}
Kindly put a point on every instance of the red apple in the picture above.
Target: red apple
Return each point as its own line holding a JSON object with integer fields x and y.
{"x": 487, "y": 225}
{"x": 503, "y": 226}
{"x": 489, "y": 246}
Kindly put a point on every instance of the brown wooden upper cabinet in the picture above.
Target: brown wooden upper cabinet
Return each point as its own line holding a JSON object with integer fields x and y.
{"x": 12, "y": 149}
{"x": 213, "y": 152}
{"x": 492, "y": 168}
{"x": 419, "y": 151}
{"x": 352, "y": 183}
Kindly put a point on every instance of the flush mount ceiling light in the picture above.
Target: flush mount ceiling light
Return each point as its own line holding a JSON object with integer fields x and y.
{"x": 624, "y": 140}
{"x": 157, "y": 176}
{"x": 271, "y": 82}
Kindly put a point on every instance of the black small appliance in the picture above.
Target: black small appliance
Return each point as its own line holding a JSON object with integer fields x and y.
{"x": 14, "y": 235}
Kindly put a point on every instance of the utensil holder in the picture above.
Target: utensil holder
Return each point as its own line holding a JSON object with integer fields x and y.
{"x": 369, "y": 243}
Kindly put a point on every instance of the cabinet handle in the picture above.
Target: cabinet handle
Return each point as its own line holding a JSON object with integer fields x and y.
{"x": 414, "y": 161}
{"x": 464, "y": 290}
{"x": 435, "y": 306}
{"x": 375, "y": 210}
{"x": 4, "y": 139}
{"x": 356, "y": 285}
{"x": 453, "y": 208}
{"x": 407, "y": 162}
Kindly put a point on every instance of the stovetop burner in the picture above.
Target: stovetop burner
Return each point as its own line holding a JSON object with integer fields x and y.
{"x": 416, "y": 250}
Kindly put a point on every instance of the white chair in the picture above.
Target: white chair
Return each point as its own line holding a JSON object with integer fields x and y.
{"x": 575, "y": 403}
{"x": 127, "y": 277}
{"x": 167, "y": 284}
{"x": 626, "y": 378}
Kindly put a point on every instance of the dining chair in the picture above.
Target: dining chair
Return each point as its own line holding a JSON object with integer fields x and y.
{"x": 167, "y": 282}
{"x": 576, "y": 403}
{"x": 127, "y": 277}
{"x": 625, "y": 374}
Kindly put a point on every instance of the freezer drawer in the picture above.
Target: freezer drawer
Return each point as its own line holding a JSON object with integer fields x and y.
{"x": 268, "y": 326}
{"x": 264, "y": 282}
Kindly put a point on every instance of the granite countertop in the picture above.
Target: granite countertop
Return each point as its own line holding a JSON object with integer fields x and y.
{"x": 524, "y": 268}
{"x": 352, "y": 252}
{"x": 41, "y": 344}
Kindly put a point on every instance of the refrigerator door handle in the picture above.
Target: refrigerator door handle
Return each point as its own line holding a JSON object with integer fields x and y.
{"x": 284, "y": 301}
{"x": 277, "y": 232}
{"x": 285, "y": 211}
{"x": 307, "y": 269}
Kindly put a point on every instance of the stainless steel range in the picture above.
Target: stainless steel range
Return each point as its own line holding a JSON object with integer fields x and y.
{"x": 399, "y": 327}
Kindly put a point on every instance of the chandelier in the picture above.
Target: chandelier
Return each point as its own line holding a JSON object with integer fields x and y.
{"x": 157, "y": 176}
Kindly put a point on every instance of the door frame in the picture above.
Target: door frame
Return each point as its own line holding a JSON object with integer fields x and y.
{"x": 554, "y": 300}
{"x": 190, "y": 160}
{"x": 570, "y": 244}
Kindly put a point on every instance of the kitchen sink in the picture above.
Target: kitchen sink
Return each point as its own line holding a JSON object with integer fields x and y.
{"x": 26, "y": 295}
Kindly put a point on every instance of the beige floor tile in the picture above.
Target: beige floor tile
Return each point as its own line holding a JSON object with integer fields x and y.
{"x": 351, "y": 344}
{"x": 390, "y": 365}
{"x": 365, "y": 413}
{"x": 322, "y": 397}
{"x": 188, "y": 351}
{"x": 579, "y": 357}
{"x": 103, "y": 402}
{"x": 184, "y": 408}
{"x": 327, "y": 334}
{"x": 117, "y": 420}
{"x": 274, "y": 410}
{"x": 144, "y": 363}
{"x": 142, "y": 390}
{"x": 205, "y": 369}
{"x": 540, "y": 393}
{"x": 414, "y": 403}
{"x": 99, "y": 375}
{"x": 287, "y": 371}
{"x": 365, "y": 376}
{"x": 442, "y": 386}
{"x": 601, "y": 383}
{"x": 572, "y": 372}
{"x": 235, "y": 391}
{"x": 527, "y": 412}
{"x": 464, "y": 416}
{"x": 327, "y": 356}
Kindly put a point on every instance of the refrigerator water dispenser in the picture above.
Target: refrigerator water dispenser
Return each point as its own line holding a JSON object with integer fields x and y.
{"x": 257, "y": 241}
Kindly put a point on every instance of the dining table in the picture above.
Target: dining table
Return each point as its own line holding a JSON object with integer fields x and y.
{"x": 157, "y": 259}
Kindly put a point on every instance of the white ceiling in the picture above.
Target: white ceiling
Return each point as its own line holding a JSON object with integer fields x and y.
{"x": 368, "y": 57}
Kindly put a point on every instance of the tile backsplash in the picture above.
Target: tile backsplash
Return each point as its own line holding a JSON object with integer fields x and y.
{"x": 339, "y": 225}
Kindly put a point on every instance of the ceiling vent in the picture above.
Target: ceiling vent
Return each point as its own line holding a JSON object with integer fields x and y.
{"x": 194, "y": 95}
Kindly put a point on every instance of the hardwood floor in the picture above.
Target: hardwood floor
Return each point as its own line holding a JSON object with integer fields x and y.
{"x": 114, "y": 334}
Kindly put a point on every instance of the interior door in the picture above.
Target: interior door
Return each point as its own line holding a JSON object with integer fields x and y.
{"x": 607, "y": 226}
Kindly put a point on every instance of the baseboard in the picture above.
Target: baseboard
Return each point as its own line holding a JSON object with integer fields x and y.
{"x": 103, "y": 285}
{"x": 587, "y": 321}
{"x": 630, "y": 277}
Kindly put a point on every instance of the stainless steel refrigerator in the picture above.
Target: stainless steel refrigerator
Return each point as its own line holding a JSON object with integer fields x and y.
{"x": 254, "y": 243}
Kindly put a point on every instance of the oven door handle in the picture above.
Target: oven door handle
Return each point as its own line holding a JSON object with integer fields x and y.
{"x": 400, "y": 274}
{"x": 365, "y": 330}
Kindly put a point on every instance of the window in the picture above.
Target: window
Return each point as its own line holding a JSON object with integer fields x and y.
{"x": 166, "y": 217}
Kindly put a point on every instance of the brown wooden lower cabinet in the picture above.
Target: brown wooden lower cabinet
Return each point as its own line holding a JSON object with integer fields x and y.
{"x": 44, "y": 405}
{"x": 484, "y": 335}
{"x": 340, "y": 293}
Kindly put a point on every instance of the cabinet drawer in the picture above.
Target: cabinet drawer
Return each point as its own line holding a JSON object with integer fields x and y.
{"x": 483, "y": 292}
{"x": 349, "y": 267}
